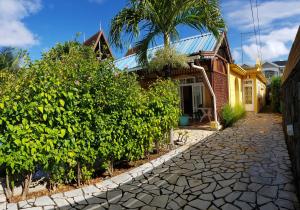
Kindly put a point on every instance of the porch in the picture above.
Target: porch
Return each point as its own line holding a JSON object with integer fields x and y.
{"x": 195, "y": 103}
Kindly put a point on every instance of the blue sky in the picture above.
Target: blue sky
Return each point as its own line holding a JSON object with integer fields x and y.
{"x": 37, "y": 25}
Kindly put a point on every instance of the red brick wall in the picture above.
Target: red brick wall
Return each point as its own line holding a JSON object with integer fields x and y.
{"x": 220, "y": 86}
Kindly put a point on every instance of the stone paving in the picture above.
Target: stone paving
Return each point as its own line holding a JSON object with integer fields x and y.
{"x": 243, "y": 167}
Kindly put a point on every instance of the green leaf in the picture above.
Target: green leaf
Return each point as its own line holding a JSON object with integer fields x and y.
{"x": 2, "y": 105}
{"x": 62, "y": 102}
{"x": 62, "y": 133}
{"x": 45, "y": 117}
{"x": 41, "y": 109}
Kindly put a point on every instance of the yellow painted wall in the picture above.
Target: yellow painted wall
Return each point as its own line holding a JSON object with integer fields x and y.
{"x": 235, "y": 89}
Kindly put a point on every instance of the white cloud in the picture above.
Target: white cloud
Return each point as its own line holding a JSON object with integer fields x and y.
{"x": 13, "y": 31}
{"x": 236, "y": 55}
{"x": 274, "y": 44}
{"x": 278, "y": 20}
{"x": 239, "y": 12}
{"x": 97, "y": 1}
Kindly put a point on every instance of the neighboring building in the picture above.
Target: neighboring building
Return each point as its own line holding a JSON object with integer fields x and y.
{"x": 204, "y": 50}
{"x": 273, "y": 69}
{"x": 291, "y": 106}
{"x": 100, "y": 45}
{"x": 247, "y": 87}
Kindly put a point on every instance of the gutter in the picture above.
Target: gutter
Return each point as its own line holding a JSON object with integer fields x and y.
{"x": 215, "y": 124}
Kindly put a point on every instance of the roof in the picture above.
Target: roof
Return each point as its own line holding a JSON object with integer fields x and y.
{"x": 188, "y": 46}
{"x": 94, "y": 40}
{"x": 294, "y": 58}
{"x": 280, "y": 63}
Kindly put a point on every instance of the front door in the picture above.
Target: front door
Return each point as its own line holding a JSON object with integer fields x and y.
{"x": 187, "y": 100}
{"x": 248, "y": 95}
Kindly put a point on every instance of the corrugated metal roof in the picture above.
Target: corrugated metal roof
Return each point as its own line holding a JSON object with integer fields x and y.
{"x": 187, "y": 46}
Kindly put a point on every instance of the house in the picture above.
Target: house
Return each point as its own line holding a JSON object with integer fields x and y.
{"x": 291, "y": 106}
{"x": 271, "y": 69}
{"x": 196, "y": 93}
{"x": 211, "y": 81}
{"x": 247, "y": 86}
{"x": 100, "y": 45}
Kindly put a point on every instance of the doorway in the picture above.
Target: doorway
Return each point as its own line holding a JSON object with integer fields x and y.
{"x": 187, "y": 94}
{"x": 191, "y": 95}
{"x": 248, "y": 95}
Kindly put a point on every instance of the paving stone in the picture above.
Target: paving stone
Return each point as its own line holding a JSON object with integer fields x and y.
{"x": 182, "y": 181}
{"x": 189, "y": 208}
{"x": 269, "y": 206}
{"x": 133, "y": 203}
{"x": 269, "y": 191}
{"x": 226, "y": 183}
{"x": 115, "y": 207}
{"x": 160, "y": 201}
{"x": 94, "y": 207}
{"x": 240, "y": 186}
{"x": 211, "y": 187}
{"x": 229, "y": 206}
{"x": 287, "y": 195}
{"x": 254, "y": 187}
{"x": 222, "y": 192}
{"x": 232, "y": 196}
{"x": 207, "y": 197}
{"x": 146, "y": 198}
{"x": 173, "y": 205}
{"x": 114, "y": 196}
{"x": 44, "y": 201}
{"x": 249, "y": 197}
{"x": 262, "y": 200}
{"x": 219, "y": 202}
{"x": 243, "y": 205}
{"x": 200, "y": 204}
{"x": 285, "y": 203}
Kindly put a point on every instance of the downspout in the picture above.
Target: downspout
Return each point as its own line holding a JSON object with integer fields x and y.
{"x": 217, "y": 124}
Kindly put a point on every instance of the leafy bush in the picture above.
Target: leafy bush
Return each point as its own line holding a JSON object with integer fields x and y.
{"x": 68, "y": 113}
{"x": 275, "y": 94}
{"x": 168, "y": 57}
{"x": 231, "y": 114}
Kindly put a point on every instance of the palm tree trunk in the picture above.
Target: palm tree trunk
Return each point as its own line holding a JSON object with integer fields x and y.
{"x": 166, "y": 39}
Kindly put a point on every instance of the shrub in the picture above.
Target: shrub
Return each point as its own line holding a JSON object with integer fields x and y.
{"x": 275, "y": 94}
{"x": 168, "y": 57}
{"x": 231, "y": 114}
{"x": 68, "y": 111}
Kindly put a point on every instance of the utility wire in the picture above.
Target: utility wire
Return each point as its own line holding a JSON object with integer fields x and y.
{"x": 254, "y": 27}
{"x": 258, "y": 26}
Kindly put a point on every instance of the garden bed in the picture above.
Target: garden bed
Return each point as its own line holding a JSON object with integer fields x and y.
{"x": 119, "y": 169}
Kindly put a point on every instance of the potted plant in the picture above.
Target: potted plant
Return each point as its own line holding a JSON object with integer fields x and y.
{"x": 184, "y": 120}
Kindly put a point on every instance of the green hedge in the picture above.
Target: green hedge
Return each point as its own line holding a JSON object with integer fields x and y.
{"x": 69, "y": 115}
{"x": 275, "y": 94}
{"x": 230, "y": 115}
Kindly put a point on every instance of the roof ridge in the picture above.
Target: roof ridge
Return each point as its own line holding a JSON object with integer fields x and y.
{"x": 158, "y": 46}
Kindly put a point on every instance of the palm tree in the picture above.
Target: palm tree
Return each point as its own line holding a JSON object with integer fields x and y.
{"x": 10, "y": 59}
{"x": 160, "y": 18}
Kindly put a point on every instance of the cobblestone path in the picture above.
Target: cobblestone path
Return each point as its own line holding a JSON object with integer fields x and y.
{"x": 243, "y": 167}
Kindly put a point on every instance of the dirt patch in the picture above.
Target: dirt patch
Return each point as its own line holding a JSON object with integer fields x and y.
{"x": 120, "y": 168}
